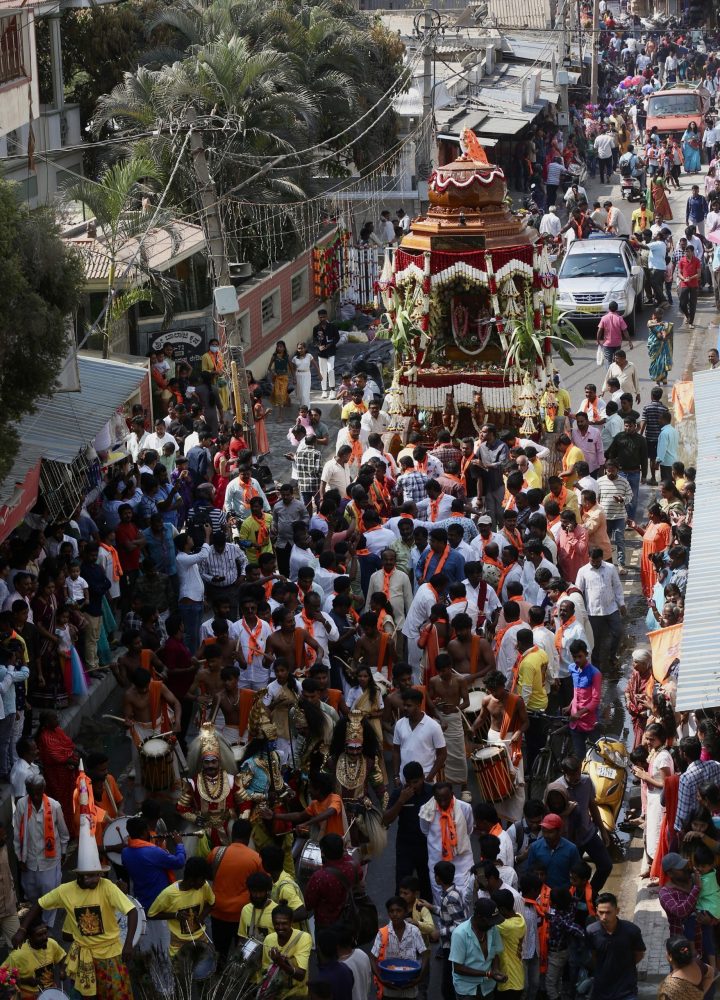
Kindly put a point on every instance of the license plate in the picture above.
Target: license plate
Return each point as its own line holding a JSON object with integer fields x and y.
{"x": 588, "y": 309}
{"x": 606, "y": 772}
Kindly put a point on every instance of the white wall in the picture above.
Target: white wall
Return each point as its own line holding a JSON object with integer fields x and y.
{"x": 14, "y": 99}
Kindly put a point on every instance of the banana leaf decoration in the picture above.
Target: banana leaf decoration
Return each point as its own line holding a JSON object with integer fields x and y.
{"x": 525, "y": 343}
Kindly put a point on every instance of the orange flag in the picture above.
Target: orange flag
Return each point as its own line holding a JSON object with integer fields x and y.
{"x": 665, "y": 647}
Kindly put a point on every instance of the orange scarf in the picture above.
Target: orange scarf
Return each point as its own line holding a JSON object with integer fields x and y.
{"x": 357, "y": 451}
{"x": 355, "y": 512}
{"x": 309, "y": 623}
{"x": 248, "y": 491}
{"x": 508, "y": 715}
{"x": 448, "y": 832}
{"x": 254, "y": 647}
{"x": 117, "y": 570}
{"x": 263, "y": 534}
{"x": 302, "y": 652}
{"x": 493, "y": 562}
{"x": 382, "y": 650}
{"x": 516, "y": 667}
{"x": 441, "y": 562}
{"x": 158, "y": 706}
{"x": 381, "y": 617}
{"x": 50, "y": 850}
{"x": 499, "y": 635}
{"x": 503, "y": 576}
{"x": 509, "y": 502}
{"x": 561, "y": 631}
{"x": 381, "y": 494}
{"x": 386, "y": 583}
{"x": 464, "y": 465}
{"x": 435, "y": 509}
{"x": 565, "y": 463}
{"x": 514, "y": 537}
{"x": 594, "y": 407}
{"x": 562, "y": 500}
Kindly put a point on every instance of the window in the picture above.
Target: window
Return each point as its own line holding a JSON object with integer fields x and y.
{"x": 299, "y": 288}
{"x": 270, "y": 311}
{"x": 11, "y": 54}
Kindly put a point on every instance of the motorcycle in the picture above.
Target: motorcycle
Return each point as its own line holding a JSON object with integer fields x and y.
{"x": 606, "y": 763}
{"x": 632, "y": 188}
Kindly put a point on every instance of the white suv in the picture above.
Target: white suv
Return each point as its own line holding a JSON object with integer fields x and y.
{"x": 596, "y": 272}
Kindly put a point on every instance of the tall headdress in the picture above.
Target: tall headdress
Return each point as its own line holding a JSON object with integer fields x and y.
{"x": 260, "y": 725}
{"x": 210, "y": 745}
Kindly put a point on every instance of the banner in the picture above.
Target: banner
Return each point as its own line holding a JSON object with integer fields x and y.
{"x": 665, "y": 647}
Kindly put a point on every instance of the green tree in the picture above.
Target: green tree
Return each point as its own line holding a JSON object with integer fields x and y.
{"x": 115, "y": 202}
{"x": 40, "y": 286}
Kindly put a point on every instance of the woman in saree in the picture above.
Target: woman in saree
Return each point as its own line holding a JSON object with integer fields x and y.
{"x": 661, "y": 205}
{"x": 59, "y": 759}
{"x": 667, "y": 841}
{"x": 689, "y": 978}
{"x": 656, "y": 535}
{"x": 691, "y": 149}
{"x": 660, "y": 347}
{"x": 659, "y": 767}
{"x": 44, "y": 606}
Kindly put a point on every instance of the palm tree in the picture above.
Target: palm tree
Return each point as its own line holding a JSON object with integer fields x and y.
{"x": 114, "y": 201}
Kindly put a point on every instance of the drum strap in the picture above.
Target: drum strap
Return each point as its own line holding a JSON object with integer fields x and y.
{"x": 219, "y": 855}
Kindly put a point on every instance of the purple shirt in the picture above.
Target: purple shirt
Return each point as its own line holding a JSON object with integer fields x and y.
{"x": 590, "y": 444}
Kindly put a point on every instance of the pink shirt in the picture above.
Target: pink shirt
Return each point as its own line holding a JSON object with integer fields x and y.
{"x": 612, "y": 326}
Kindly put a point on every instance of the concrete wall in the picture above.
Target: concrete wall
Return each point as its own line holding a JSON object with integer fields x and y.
{"x": 14, "y": 99}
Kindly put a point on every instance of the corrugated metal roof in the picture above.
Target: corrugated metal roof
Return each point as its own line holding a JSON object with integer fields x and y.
{"x": 66, "y": 423}
{"x": 699, "y": 676}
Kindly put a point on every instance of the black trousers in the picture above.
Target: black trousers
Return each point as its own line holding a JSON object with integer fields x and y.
{"x": 224, "y": 934}
{"x": 534, "y": 741}
{"x": 283, "y": 560}
{"x": 412, "y": 860}
{"x": 687, "y": 300}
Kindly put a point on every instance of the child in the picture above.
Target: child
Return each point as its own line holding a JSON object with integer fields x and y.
{"x": 709, "y": 899}
{"x": 450, "y": 912}
{"x": 185, "y": 905}
{"x": 167, "y": 457}
{"x": 418, "y": 914}
{"x": 71, "y": 668}
{"x": 344, "y": 390}
{"x": 76, "y": 588}
{"x": 534, "y": 948}
{"x": 282, "y": 694}
{"x": 563, "y": 929}
{"x": 260, "y": 415}
{"x": 512, "y": 934}
{"x": 399, "y": 939}
{"x": 37, "y": 960}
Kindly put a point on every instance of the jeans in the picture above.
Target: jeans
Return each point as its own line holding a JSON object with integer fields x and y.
{"x": 551, "y": 190}
{"x": 598, "y": 854}
{"x": 580, "y": 739}
{"x": 607, "y": 630}
{"x": 634, "y": 479}
{"x": 609, "y": 354}
{"x": 616, "y": 531}
{"x": 557, "y": 960}
{"x": 687, "y": 300}
{"x": 532, "y": 977}
{"x": 191, "y": 613}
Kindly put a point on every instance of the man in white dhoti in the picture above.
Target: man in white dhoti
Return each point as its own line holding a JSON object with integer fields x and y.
{"x": 508, "y": 720}
{"x": 448, "y": 691}
{"x": 447, "y": 823}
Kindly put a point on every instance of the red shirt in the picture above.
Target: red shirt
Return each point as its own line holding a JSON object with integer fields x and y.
{"x": 176, "y": 656}
{"x": 612, "y": 326}
{"x": 129, "y": 558}
{"x": 689, "y": 271}
{"x": 325, "y": 894}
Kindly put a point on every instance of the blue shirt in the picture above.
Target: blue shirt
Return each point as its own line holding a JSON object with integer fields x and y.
{"x": 161, "y": 549}
{"x": 667, "y": 445}
{"x": 465, "y": 950}
{"x": 453, "y": 567}
{"x": 556, "y": 864}
{"x": 19, "y": 675}
{"x": 148, "y": 868}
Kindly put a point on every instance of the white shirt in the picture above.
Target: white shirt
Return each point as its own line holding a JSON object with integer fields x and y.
{"x": 444, "y": 509}
{"x": 336, "y": 476}
{"x": 518, "y": 902}
{"x": 532, "y": 591}
{"x": 359, "y": 964}
{"x": 384, "y": 456}
{"x": 325, "y": 581}
{"x": 14, "y": 596}
{"x": 19, "y": 774}
{"x": 374, "y": 425}
{"x": 76, "y": 589}
{"x": 189, "y": 579}
{"x": 156, "y": 442}
{"x": 545, "y": 639}
{"x": 571, "y": 633}
{"x": 507, "y": 654}
{"x": 401, "y": 595}
{"x": 587, "y": 407}
{"x": 256, "y": 672}
{"x": 234, "y": 497}
{"x": 32, "y": 852}
{"x": 550, "y": 225}
{"x": 301, "y": 557}
{"x": 419, "y": 612}
{"x": 601, "y": 589}
{"x": 420, "y": 744}
{"x": 491, "y": 598}
{"x": 379, "y": 539}
{"x": 321, "y": 635}
{"x": 514, "y": 576}
{"x": 604, "y": 145}
{"x": 387, "y": 231}
{"x": 106, "y": 561}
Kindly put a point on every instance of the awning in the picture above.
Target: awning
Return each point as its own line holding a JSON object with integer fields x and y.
{"x": 62, "y": 426}
{"x": 699, "y": 675}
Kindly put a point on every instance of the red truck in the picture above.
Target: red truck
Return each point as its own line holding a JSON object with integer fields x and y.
{"x": 671, "y": 109}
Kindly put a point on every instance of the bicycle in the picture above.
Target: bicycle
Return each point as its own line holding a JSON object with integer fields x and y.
{"x": 547, "y": 766}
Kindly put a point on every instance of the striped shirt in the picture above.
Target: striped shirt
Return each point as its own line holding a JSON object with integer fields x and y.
{"x": 223, "y": 564}
{"x": 608, "y": 489}
{"x": 651, "y": 416}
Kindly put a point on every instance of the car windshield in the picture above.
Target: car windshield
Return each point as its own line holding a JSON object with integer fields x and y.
{"x": 599, "y": 265}
{"x": 673, "y": 104}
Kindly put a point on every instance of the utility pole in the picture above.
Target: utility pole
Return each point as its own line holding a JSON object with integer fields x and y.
{"x": 234, "y": 357}
{"x": 594, "y": 52}
{"x": 425, "y": 26}
{"x": 561, "y": 76}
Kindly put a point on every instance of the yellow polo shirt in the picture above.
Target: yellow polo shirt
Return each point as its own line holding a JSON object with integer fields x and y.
{"x": 531, "y": 679}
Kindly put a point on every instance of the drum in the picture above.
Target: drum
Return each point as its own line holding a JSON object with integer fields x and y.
{"x": 157, "y": 760}
{"x": 492, "y": 769}
{"x": 251, "y": 953}
{"x": 476, "y": 699}
{"x": 308, "y": 862}
{"x": 141, "y": 922}
{"x": 52, "y": 993}
{"x": 115, "y": 834}
{"x": 205, "y": 963}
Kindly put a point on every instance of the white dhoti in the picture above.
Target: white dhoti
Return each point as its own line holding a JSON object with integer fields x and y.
{"x": 456, "y": 762}
{"x": 414, "y": 658}
{"x": 510, "y": 809}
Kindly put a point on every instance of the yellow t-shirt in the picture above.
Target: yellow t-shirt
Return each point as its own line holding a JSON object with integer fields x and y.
{"x": 256, "y": 923}
{"x": 91, "y": 914}
{"x": 35, "y": 964}
{"x": 532, "y": 478}
{"x": 249, "y": 532}
{"x": 287, "y": 891}
{"x": 562, "y": 399}
{"x": 571, "y": 456}
{"x": 512, "y": 932}
{"x": 298, "y": 950}
{"x": 187, "y": 905}
{"x": 531, "y": 675}
{"x": 352, "y": 407}
{"x": 422, "y": 918}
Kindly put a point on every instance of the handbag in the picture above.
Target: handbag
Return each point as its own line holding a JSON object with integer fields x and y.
{"x": 600, "y": 356}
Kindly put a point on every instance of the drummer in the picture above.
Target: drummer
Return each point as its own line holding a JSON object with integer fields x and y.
{"x": 106, "y": 792}
{"x": 448, "y": 692}
{"x": 185, "y": 905}
{"x": 508, "y": 719}
{"x": 150, "y": 710}
{"x": 40, "y": 961}
{"x": 256, "y": 916}
{"x": 150, "y": 868}
{"x": 289, "y": 951}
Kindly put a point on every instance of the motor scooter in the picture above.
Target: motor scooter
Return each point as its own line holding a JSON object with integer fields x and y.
{"x": 606, "y": 763}
{"x": 632, "y": 189}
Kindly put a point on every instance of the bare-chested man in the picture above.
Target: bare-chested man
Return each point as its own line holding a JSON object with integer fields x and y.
{"x": 374, "y": 648}
{"x": 508, "y": 720}
{"x": 470, "y": 653}
{"x": 221, "y": 640}
{"x": 234, "y": 702}
{"x": 448, "y": 692}
{"x": 208, "y": 684}
{"x": 134, "y": 657}
{"x": 150, "y": 709}
{"x": 289, "y": 643}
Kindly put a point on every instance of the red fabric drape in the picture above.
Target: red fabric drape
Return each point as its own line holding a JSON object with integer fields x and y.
{"x": 440, "y": 259}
